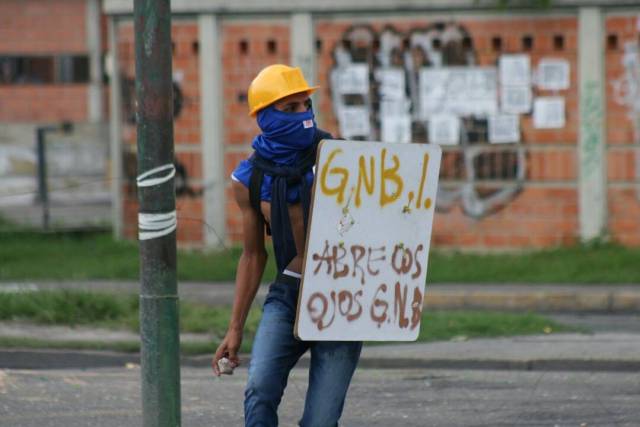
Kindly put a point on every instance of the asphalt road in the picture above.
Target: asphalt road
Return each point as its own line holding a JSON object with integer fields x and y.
{"x": 111, "y": 398}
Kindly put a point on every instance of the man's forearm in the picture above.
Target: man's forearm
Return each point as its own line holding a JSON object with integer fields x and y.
{"x": 248, "y": 276}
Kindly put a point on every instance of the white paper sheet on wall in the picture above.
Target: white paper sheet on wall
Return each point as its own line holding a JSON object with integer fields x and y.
{"x": 433, "y": 90}
{"x": 353, "y": 79}
{"x": 515, "y": 70}
{"x": 553, "y": 74}
{"x": 394, "y": 107}
{"x": 391, "y": 83}
{"x": 549, "y": 112}
{"x": 460, "y": 91}
{"x": 444, "y": 129}
{"x": 504, "y": 128}
{"x": 515, "y": 99}
{"x": 354, "y": 121}
{"x": 396, "y": 128}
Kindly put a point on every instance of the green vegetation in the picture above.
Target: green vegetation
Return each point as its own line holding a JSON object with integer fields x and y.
{"x": 512, "y": 4}
{"x": 445, "y": 325}
{"x": 73, "y": 308}
{"x": 28, "y": 255}
{"x": 121, "y": 312}
{"x": 67, "y": 307}
{"x": 601, "y": 263}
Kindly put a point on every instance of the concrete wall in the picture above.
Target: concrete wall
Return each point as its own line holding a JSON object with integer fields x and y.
{"x": 77, "y": 162}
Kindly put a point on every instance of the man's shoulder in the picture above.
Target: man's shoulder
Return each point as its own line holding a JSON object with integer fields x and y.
{"x": 322, "y": 134}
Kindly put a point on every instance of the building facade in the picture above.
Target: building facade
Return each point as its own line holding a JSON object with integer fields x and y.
{"x": 536, "y": 109}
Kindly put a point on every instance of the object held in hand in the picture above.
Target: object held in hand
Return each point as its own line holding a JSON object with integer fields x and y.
{"x": 225, "y": 366}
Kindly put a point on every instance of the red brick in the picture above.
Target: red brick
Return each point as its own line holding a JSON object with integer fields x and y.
{"x": 33, "y": 103}
{"x": 37, "y": 27}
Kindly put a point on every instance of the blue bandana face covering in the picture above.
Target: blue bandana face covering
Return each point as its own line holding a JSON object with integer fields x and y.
{"x": 281, "y": 171}
{"x": 284, "y": 135}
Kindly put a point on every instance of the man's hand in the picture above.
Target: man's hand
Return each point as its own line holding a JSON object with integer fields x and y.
{"x": 228, "y": 348}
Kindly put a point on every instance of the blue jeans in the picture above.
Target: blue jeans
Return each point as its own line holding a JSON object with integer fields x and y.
{"x": 276, "y": 351}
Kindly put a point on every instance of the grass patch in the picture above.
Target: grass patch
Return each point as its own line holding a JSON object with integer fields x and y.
{"x": 121, "y": 312}
{"x": 77, "y": 256}
{"x": 445, "y": 325}
{"x": 603, "y": 263}
{"x": 65, "y": 307}
{"x": 30, "y": 255}
{"x": 81, "y": 308}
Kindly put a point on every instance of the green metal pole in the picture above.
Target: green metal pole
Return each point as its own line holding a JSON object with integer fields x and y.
{"x": 160, "y": 351}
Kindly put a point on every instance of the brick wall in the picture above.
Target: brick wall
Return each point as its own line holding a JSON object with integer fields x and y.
{"x": 43, "y": 103}
{"x": 247, "y": 47}
{"x": 35, "y": 27}
{"x": 541, "y": 211}
{"x": 244, "y": 54}
{"x": 188, "y": 152}
{"x": 623, "y": 152}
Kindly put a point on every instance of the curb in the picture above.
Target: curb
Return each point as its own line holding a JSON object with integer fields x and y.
{"x": 563, "y": 300}
{"x": 70, "y": 359}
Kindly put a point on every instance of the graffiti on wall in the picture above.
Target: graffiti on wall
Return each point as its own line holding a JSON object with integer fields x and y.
{"x": 426, "y": 86}
{"x": 129, "y": 99}
{"x": 129, "y": 105}
{"x": 626, "y": 91}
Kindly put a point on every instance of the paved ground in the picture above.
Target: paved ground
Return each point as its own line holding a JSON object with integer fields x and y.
{"x": 405, "y": 397}
{"x": 547, "y": 380}
{"x": 614, "y": 345}
{"x": 604, "y": 352}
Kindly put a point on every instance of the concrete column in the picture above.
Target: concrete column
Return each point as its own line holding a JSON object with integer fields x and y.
{"x": 115, "y": 132}
{"x": 94, "y": 45}
{"x": 303, "y": 48}
{"x": 210, "y": 57}
{"x": 592, "y": 185}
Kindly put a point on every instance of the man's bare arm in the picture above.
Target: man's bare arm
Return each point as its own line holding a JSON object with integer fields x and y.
{"x": 248, "y": 275}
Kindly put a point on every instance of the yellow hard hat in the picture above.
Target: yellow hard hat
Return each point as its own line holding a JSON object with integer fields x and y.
{"x": 273, "y": 83}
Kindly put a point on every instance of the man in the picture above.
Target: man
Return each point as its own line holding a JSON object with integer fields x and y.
{"x": 272, "y": 189}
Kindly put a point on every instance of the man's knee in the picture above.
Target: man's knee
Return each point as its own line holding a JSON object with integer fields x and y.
{"x": 264, "y": 388}
{"x": 262, "y": 397}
